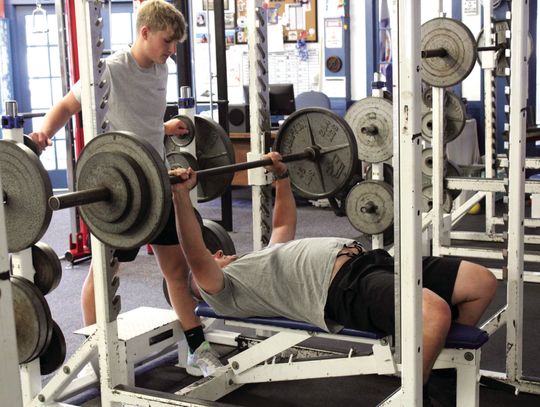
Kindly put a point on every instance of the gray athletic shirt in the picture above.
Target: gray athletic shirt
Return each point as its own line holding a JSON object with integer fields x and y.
{"x": 286, "y": 279}
{"x": 137, "y": 97}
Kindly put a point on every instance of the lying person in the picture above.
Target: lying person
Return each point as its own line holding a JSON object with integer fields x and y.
{"x": 329, "y": 282}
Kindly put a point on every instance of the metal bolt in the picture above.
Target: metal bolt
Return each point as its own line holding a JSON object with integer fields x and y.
{"x": 231, "y": 382}
{"x": 469, "y": 356}
{"x": 41, "y": 398}
{"x": 235, "y": 365}
{"x": 66, "y": 369}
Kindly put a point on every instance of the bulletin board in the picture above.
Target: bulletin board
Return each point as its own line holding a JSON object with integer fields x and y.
{"x": 298, "y": 18}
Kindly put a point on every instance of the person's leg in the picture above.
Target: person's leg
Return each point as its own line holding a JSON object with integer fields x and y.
{"x": 474, "y": 289}
{"x": 174, "y": 267}
{"x": 436, "y": 319}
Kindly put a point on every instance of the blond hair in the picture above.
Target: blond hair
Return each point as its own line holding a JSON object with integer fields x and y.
{"x": 158, "y": 15}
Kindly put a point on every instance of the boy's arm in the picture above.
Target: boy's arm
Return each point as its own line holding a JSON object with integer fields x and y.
{"x": 206, "y": 271}
{"x": 284, "y": 214}
{"x": 55, "y": 119}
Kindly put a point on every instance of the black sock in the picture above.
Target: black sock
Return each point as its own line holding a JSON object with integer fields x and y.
{"x": 194, "y": 337}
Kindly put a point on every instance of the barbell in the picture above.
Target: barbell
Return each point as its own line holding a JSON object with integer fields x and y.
{"x": 124, "y": 191}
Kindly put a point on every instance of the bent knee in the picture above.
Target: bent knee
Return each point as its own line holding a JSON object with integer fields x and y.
{"x": 436, "y": 310}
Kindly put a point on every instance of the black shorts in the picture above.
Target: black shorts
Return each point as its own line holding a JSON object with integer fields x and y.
{"x": 167, "y": 237}
{"x": 368, "y": 302}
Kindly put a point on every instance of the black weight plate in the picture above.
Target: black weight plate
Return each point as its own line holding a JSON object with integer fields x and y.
{"x": 33, "y": 323}
{"x": 125, "y": 180}
{"x": 370, "y": 207}
{"x": 337, "y": 162}
{"x": 214, "y": 149}
{"x": 459, "y": 43}
{"x": 31, "y": 144}
{"x": 455, "y": 116}
{"x": 182, "y": 159}
{"x": 27, "y": 187}
{"x": 453, "y": 170}
{"x": 377, "y": 113}
{"x": 173, "y": 143}
{"x": 55, "y": 354}
{"x": 157, "y": 193}
{"x": 388, "y": 173}
{"x": 216, "y": 238}
{"x": 47, "y": 266}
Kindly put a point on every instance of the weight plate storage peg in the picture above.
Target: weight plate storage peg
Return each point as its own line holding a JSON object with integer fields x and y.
{"x": 370, "y": 207}
{"x": 332, "y": 144}
{"x": 371, "y": 121}
{"x": 47, "y": 266}
{"x": 214, "y": 149}
{"x": 136, "y": 194}
{"x": 26, "y": 190}
{"x": 448, "y": 52}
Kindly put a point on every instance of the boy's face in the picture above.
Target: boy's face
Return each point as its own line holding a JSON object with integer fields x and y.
{"x": 160, "y": 45}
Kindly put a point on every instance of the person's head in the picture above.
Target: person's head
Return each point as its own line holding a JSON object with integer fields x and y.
{"x": 160, "y": 26}
{"x": 221, "y": 259}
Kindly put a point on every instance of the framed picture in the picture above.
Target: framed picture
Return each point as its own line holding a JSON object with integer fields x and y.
{"x": 209, "y": 4}
{"x": 229, "y": 20}
{"x": 201, "y": 19}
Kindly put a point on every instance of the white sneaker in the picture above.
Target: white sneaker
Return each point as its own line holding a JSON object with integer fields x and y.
{"x": 204, "y": 361}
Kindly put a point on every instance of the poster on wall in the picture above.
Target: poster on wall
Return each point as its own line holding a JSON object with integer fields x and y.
{"x": 298, "y": 19}
{"x": 209, "y": 4}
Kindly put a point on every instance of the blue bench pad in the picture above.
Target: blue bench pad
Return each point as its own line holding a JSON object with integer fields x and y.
{"x": 459, "y": 337}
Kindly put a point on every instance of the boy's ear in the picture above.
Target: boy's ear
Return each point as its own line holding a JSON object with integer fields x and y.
{"x": 144, "y": 32}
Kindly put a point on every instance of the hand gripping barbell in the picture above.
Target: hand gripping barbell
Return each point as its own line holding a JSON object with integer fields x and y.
{"x": 123, "y": 189}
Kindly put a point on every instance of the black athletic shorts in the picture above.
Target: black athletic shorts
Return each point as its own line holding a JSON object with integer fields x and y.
{"x": 361, "y": 295}
{"x": 167, "y": 237}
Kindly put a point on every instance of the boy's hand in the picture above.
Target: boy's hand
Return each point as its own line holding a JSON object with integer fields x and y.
{"x": 41, "y": 139}
{"x": 175, "y": 127}
{"x": 188, "y": 176}
{"x": 278, "y": 167}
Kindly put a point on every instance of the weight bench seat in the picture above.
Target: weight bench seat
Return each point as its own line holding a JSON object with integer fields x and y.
{"x": 459, "y": 337}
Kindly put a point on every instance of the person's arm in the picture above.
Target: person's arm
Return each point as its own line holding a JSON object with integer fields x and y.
{"x": 55, "y": 119}
{"x": 206, "y": 271}
{"x": 175, "y": 127}
{"x": 284, "y": 215}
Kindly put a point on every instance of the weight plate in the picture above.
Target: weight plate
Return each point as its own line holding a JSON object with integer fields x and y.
{"x": 388, "y": 173}
{"x": 453, "y": 170}
{"x": 33, "y": 323}
{"x": 427, "y": 199}
{"x": 455, "y": 116}
{"x": 427, "y": 163}
{"x": 427, "y": 97}
{"x": 156, "y": 189}
{"x": 55, "y": 354}
{"x": 47, "y": 266}
{"x": 173, "y": 143}
{"x": 182, "y": 159}
{"x": 457, "y": 40}
{"x": 27, "y": 190}
{"x": 127, "y": 184}
{"x": 371, "y": 121}
{"x": 31, "y": 144}
{"x": 334, "y": 140}
{"x": 427, "y": 126}
{"x": 370, "y": 207}
{"x": 214, "y": 149}
{"x": 500, "y": 39}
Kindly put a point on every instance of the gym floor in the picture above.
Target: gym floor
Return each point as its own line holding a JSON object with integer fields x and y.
{"x": 140, "y": 285}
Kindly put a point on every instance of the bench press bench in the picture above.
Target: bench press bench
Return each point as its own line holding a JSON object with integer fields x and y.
{"x": 257, "y": 363}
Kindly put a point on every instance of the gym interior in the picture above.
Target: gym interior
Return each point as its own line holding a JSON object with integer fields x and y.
{"x": 409, "y": 126}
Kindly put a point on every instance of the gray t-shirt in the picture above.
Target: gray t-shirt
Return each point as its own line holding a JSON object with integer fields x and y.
{"x": 287, "y": 279}
{"x": 137, "y": 97}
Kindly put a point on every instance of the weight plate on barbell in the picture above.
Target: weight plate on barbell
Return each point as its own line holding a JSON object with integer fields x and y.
{"x": 388, "y": 174}
{"x": 47, "y": 266}
{"x": 501, "y": 27}
{"x": 457, "y": 40}
{"x": 33, "y": 323}
{"x": 173, "y": 143}
{"x": 27, "y": 189}
{"x": 154, "y": 184}
{"x": 453, "y": 170}
{"x": 214, "y": 149}
{"x": 182, "y": 159}
{"x": 370, "y": 207}
{"x": 31, "y": 144}
{"x": 371, "y": 121}
{"x": 335, "y": 144}
{"x": 427, "y": 199}
{"x": 55, "y": 354}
